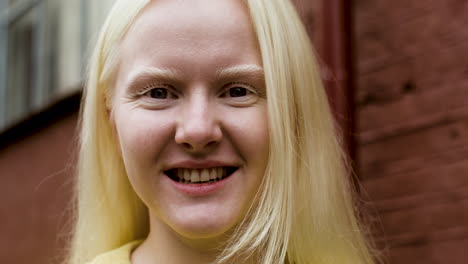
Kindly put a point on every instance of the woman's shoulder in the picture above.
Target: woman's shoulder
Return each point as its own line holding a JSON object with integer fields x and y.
{"x": 119, "y": 255}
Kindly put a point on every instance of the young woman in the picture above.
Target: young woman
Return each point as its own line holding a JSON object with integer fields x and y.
{"x": 207, "y": 138}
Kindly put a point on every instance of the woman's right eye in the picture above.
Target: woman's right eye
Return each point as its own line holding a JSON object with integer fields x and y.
{"x": 159, "y": 93}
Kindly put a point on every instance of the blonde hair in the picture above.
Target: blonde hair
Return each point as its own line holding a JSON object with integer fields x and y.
{"x": 305, "y": 211}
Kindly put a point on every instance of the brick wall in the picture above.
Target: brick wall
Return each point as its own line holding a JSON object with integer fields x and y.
{"x": 36, "y": 181}
{"x": 412, "y": 76}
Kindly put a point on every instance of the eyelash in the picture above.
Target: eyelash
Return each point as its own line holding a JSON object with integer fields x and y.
{"x": 152, "y": 86}
{"x": 228, "y": 86}
{"x": 149, "y": 87}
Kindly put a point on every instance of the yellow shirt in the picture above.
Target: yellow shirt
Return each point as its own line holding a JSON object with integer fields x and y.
{"x": 120, "y": 255}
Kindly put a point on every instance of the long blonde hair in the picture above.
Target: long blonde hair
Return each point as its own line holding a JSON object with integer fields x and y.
{"x": 305, "y": 211}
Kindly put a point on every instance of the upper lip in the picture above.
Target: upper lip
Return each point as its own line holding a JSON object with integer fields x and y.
{"x": 194, "y": 164}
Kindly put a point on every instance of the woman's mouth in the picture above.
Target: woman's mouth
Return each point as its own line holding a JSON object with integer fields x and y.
{"x": 199, "y": 176}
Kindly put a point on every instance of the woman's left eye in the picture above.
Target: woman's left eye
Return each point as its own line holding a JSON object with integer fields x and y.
{"x": 239, "y": 95}
{"x": 238, "y": 91}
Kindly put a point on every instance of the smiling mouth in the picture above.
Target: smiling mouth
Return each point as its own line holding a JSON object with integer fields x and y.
{"x": 199, "y": 176}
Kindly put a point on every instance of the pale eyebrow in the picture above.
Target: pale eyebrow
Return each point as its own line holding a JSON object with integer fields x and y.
{"x": 141, "y": 76}
{"x": 250, "y": 71}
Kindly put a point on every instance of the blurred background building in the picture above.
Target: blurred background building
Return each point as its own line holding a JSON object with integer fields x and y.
{"x": 44, "y": 45}
{"x": 396, "y": 74}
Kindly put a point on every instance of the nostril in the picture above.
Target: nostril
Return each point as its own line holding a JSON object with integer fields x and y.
{"x": 187, "y": 145}
{"x": 211, "y": 143}
{"x": 199, "y": 136}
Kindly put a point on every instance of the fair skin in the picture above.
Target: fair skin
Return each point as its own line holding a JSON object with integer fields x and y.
{"x": 190, "y": 101}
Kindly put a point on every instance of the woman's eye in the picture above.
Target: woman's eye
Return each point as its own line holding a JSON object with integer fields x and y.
{"x": 240, "y": 95}
{"x": 239, "y": 92}
{"x": 159, "y": 93}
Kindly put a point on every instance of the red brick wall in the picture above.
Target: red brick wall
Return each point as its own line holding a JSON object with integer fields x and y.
{"x": 412, "y": 99}
{"x": 36, "y": 180}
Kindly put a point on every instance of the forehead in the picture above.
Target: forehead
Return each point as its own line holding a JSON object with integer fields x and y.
{"x": 174, "y": 30}
{"x": 181, "y": 14}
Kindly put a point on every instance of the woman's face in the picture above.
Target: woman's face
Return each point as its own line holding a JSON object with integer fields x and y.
{"x": 189, "y": 110}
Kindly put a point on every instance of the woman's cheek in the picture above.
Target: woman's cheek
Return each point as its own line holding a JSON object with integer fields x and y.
{"x": 142, "y": 135}
{"x": 252, "y": 128}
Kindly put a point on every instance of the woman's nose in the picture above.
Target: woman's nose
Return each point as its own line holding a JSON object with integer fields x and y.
{"x": 198, "y": 130}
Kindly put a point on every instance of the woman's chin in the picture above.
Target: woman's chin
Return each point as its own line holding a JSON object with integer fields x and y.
{"x": 208, "y": 217}
{"x": 202, "y": 229}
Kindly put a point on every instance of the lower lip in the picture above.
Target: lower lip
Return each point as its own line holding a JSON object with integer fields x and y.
{"x": 201, "y": 189}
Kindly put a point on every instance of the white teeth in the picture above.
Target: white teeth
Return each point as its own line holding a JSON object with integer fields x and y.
{"x": 186, "y": 175}
{"x": 194, "y": 176}
{"x": 205, "y": 175}
{"x": 213, "y": 173}
{"x": 200, "y": 175}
